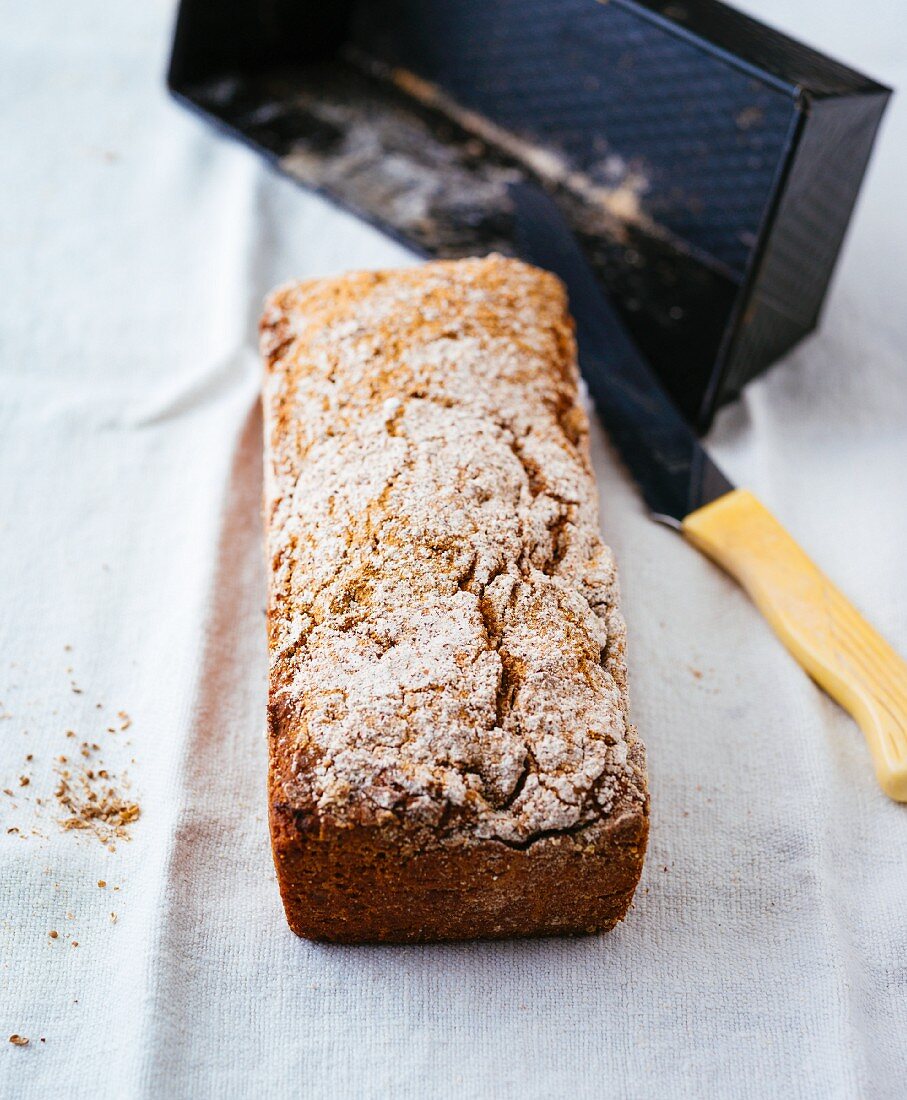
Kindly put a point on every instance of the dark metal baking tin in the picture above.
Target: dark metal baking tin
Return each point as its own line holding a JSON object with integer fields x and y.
{"x": 708, "y": 164}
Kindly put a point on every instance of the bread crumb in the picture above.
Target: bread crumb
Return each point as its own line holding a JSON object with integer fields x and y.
{"x": 18, "y": 1040}
{"x": 95, "y": 805}
{"x": 102, "y": 883}
{"x": 24, "y": 781}
{"x": 53, "y": 933}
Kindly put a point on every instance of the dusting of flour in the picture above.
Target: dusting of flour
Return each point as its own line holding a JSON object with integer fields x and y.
{"x": 445, "y": 638}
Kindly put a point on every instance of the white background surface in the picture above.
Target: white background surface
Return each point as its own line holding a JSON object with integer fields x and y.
{"x": 766, "y": 954}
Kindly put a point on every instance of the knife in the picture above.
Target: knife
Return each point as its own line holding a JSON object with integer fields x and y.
{"x": 684, "y": 488}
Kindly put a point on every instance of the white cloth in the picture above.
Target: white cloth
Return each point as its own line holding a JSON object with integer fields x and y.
{"x": 766, "y": 954}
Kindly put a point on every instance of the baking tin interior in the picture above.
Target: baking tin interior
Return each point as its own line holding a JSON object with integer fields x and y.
{"x": 417, "y": 114}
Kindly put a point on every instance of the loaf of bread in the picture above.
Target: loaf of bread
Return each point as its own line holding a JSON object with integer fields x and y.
{"x": 450, "y": 750}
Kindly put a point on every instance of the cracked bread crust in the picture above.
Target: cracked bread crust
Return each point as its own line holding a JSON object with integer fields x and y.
{"x": 451, "y": 754}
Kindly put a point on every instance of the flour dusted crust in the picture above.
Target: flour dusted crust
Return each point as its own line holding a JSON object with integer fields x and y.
{"x": 449, "y": 737}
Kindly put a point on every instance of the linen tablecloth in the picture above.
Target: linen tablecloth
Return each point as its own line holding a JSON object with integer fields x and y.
{"x": 766, "y": 953}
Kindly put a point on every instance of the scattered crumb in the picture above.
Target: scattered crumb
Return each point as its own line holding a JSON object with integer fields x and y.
{"x": 18, "y": 1040}
{"x": 696, "y": 673}
{"x": 75, "y": 943}
{"x": 113, "y": 918}
{"x": 93, "y": 799}
{"x": 94, "y": 804}
{"x": 53, "y": 933}
{"x": 102, "y": 883}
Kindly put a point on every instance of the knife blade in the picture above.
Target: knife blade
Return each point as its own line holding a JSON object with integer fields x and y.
{"x": 684, "y": 488}
{"x": 672, "y": 469}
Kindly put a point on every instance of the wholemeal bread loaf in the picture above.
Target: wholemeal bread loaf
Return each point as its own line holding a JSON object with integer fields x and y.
{"x": 450, "y": 749}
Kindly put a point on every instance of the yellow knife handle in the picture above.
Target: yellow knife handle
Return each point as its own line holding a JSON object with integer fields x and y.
{"x": 826, "y": 634}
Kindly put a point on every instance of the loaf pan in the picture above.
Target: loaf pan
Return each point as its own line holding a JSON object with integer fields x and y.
{"x": 708, "y": 164}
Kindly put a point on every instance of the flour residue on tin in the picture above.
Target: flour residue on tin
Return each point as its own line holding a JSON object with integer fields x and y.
{"x": 622, "y": 199}
{"x": 399, "y": 150}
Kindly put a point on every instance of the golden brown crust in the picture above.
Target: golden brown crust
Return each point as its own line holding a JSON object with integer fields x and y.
{"x": 360, "y": 885}
{"x": 448, "y": 711}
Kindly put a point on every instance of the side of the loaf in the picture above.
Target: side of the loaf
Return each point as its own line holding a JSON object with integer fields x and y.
{"x": 450, "y": 749}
